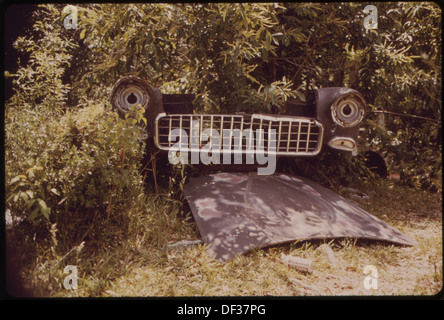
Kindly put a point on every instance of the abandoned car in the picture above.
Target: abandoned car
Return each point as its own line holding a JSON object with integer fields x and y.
{"x": 331, "y": 117}
{"x": 236, "y": 212}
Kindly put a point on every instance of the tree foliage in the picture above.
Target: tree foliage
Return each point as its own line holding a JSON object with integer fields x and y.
{"x": 253, "y": 57}
{"x": 230, "y": 54}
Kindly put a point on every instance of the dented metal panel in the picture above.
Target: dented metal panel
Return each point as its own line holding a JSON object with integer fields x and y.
{"x": 237, "y": 212}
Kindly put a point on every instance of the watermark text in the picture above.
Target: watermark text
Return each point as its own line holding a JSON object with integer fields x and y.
{"x": 231, "y": 147}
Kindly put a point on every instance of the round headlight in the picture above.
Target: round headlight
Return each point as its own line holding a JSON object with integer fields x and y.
{"x": 129, "y": 92}
{"x": 347, "y": 111}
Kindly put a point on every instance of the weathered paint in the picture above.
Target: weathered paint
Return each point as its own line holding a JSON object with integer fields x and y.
{"x": 237, "y": 212}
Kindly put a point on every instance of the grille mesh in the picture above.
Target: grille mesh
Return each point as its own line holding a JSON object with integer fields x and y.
{"x": 292, "y": 135}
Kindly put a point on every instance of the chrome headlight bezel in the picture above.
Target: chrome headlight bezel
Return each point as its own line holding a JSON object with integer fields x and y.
{"x": 347, "y": 111}
{"x": 128, "y": 92}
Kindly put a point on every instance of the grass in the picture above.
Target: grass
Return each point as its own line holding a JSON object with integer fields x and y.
{"x": 140, "y": 264}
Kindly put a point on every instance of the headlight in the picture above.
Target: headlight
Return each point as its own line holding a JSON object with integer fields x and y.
{"x": 347, "y": 111}
{"x": 128, "y": 92}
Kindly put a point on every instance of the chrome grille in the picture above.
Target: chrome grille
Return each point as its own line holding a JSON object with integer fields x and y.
{"x": 238, "y": 133}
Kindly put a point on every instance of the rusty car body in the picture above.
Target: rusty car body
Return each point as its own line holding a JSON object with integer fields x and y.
{"x": 239, "y": 211}
{"x": 331, "y": 118}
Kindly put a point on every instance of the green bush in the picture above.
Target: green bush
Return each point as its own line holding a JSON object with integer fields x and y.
{"x": 83, "y": 165}
{"x": 65, "y": 164}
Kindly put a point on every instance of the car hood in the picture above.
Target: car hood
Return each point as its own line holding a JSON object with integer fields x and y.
{"x": 238, "y": 212}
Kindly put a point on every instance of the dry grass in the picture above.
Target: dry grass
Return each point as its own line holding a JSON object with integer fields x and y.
{"x": 141, "y": 265}
{"x": 401, "y": 271}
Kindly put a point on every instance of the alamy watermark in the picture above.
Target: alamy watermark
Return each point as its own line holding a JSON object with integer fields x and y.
{"x": 219, "y": 150}
{"x": 70, "y": 281}
{"x": 71, "y": 20}
{"x": 371, "y": 20}
{"x": 371, "y": 281}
